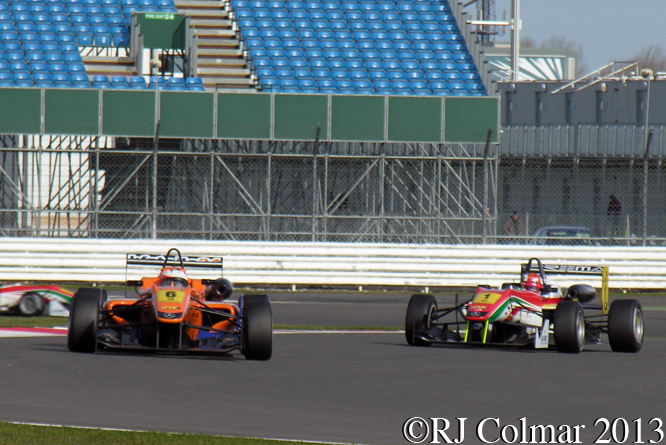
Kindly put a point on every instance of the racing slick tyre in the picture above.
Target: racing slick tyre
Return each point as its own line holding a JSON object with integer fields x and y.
{"x": 257, "y": 327}
{"x": 625, "y": 326}
{"x": 31, "y": 305}
{"x": 419, "y": 313}
{"x": 83, "y": 320}
{"x": 584, "y": 293}
{"x": 569, "y": 325}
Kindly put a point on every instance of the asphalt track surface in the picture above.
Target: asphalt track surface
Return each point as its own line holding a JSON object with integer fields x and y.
{"x": 352, "y": 388}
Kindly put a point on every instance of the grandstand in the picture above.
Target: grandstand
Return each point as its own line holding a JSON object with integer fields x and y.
{"x": 357, "y": 47}
{"x": 103, "y": 145}
{"x": 316, "y": 46}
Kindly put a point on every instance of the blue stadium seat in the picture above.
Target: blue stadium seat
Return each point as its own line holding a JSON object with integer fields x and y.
{"x": 7, "y": 27}
{"x": 54, "y": 58}
{"x": 101, "y": 82}
{"x": 33, "y": 56}
{"x": 15, "y": 56}
{"x": 9, "y": 37}
{"x": 76, "y": 68}
{"x": 306, "y": 84}
{"x": 22, "y": 76}
{"x": 66, "y": 49}
{"x": 56, "y": 8}
{"x": 19, "y": 67}
{"x": 397, "y": 76}
{"x": 121, "y": 40}
{"x": 39, "y": 67}
{"x": 61, "y": 78}
{"x": 84, "y": 39}
{"x": 26, "y": 27}
{"x": 299, "y": 64}
{"x": 48, "y": 38}
{"x": 281, "y": 63}
{"x": 176, "y": 84}
{"x": 20, "y": 8}
{"x": 29, "y": 38}
{"x": 79, "y": 78}
{"x": 158, "y": 81}
{"x": 119, "y": 83}
{"x": 42, "y": 77}
{"x": 276, "y": 6}
{"x": 57, "y": 68}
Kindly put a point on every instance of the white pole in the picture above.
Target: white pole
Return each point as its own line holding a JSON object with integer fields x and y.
{"x": 515, "y": 39}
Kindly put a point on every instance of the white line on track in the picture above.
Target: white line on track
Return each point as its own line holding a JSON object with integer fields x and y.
{"x": 334, "y": 331}
{"x": 26, "y": 332}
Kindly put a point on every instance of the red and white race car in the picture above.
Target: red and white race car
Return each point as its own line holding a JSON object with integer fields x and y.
{"x": 32, "y": 300}
{"x": 531, "y": 314}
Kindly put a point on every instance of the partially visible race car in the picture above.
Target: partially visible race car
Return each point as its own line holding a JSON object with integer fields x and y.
{"x": 533, "y": 314}
{"x": 172, "y": 313}
{"x": 31, "y": 300}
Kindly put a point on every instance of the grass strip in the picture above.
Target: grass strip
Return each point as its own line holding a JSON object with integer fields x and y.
{"x": 21, "y": 434}
{"x": 14, "y": 321}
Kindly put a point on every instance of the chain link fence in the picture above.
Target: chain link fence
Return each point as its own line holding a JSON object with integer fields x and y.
{"x": 337, "y": 192}
{"x": 582, "y": 202}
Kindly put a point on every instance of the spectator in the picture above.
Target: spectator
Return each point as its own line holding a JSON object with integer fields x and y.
{"x": 614, "y": 211}
{"x": 513, "y": 227}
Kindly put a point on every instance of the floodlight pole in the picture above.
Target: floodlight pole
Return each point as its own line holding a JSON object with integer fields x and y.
{"x": 515, "y": 40}
{"x": 515, "y": 25}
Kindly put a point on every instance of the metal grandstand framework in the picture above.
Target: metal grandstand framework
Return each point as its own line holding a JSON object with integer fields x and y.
{"x": 247, "y": 190}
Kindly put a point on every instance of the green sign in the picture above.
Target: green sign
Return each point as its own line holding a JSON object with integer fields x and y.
{"x": 162, "y": 31}
{"x": 160, "y": 16}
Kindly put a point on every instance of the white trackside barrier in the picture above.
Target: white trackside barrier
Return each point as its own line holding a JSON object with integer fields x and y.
{"x": 329, "y": 264}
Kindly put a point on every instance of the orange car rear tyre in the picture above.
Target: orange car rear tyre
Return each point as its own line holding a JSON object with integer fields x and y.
{"x": 420, "y": 309}
{"x": 82, "y": 325}
{"x": 257, "y": 328}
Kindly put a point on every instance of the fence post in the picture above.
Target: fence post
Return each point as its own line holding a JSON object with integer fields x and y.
{"x": 484, "y": 211}
{"x": 646, "y": 158}
{"x": 315, "y": 148}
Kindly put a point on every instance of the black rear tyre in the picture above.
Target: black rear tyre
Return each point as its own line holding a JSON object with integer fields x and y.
{"x": 419, "y": 311}
{"x": 569, "y": 325}
{"x": 625, "y": 326}
{"x": 82, "y": 325}
{"x": 257, "y": 327}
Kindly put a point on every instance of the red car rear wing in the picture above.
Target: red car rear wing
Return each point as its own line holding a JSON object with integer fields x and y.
{"x": 569, "y": 269}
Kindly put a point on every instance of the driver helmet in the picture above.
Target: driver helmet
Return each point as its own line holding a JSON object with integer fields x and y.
{"x": 533, "y": 283}
{"x": 171, "y": 276}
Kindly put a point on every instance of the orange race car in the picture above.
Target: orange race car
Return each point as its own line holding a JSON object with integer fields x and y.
{"x": 172, "y": 313}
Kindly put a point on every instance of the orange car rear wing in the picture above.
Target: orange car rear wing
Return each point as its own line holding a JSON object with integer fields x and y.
{"x": 140, "y": 265}
{"x": 146, "y": 259}
{"x": 534, "y": 265}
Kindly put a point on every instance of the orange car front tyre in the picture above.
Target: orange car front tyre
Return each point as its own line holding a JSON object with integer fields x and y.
{"x": 83, "y": 322}
{"x": 257, "y": 330}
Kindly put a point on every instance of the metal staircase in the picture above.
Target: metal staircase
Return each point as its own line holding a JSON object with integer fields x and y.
{"x": 219, "y": 56}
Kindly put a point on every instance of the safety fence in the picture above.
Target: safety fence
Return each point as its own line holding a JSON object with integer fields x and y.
{"x": 330, "y": 265}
